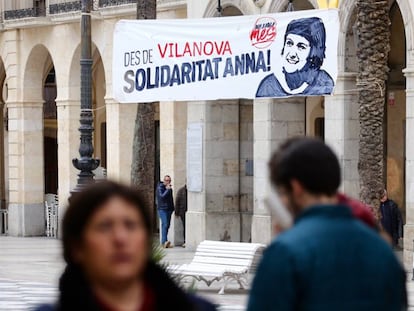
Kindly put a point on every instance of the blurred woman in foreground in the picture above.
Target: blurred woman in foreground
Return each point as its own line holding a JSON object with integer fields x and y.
{"x": 107, "y": 246}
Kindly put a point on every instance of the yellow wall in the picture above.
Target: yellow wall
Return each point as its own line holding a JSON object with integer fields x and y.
{"x": 396, "y": 147}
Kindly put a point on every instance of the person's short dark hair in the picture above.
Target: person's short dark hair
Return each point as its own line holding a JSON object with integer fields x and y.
{"x": 83, "y": 205}
{"x": 381, "y": 193}
{"x": 309, "y": 161}
{"x": 313, "y": 30}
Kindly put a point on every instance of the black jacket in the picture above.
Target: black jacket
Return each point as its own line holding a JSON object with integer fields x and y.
{"x": 75, "y": 293}
{"x": 165, "y": 198}
{"x": 181, "y": 201}
{"x": 391, "y": 219}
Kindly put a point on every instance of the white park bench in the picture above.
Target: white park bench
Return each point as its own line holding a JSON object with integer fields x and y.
{"x": 51, "y": 214}
{"x": 221, "y": 261}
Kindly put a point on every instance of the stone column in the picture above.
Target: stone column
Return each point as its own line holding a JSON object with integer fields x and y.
{"x": 342, "y": 130}
{"x": 274, "y": 120}
{"x": 409, "y": 174}
{"x": 3, "y": 177}
{"x": 2, "y": 160}
{"x": 214, "y": 213}
{"x": 68, "y": 138}
{"x": 246, "y": 168}
{"x": 26, "y": 172}
{"x": 120, "y": 123}
{"x": 173, "y": 129}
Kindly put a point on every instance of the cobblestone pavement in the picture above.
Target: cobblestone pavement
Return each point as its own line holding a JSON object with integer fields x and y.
{"x": 30, "y": 269}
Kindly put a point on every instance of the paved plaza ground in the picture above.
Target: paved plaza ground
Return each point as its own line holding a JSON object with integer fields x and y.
{"x": 30, "y": 269}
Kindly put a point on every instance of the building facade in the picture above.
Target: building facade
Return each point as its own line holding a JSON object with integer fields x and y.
{"x": 40, "y": 79}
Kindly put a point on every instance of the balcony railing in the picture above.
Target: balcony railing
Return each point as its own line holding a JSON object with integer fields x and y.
{"x": 24, "y": 13}
{"x": 53, "y": 8}
{"x": 106, "y": 3}
{"x": 65, "y": 7}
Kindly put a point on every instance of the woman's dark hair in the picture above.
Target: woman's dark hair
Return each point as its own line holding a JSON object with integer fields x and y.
{"x": 309, "y": 161}
{"x": 83, "y": 205}
{"x": 76, "y": 291}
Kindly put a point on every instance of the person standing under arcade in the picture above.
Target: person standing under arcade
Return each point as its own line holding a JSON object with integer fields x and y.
{"x": 165, "y": 206}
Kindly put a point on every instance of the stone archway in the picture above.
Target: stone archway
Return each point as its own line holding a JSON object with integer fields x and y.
{"x": 314, "y": 106}
{"x": 98, "y": 100}
{"x": 37, "y": 64}
{"x": 395, "y": 130}
{"x": 281, "y": 6}
{"x": 233, "y": 8}
{"x": 98, "y": 96}
{"x": 223, "y": 209}
{"x": 347, "y": 10}
{"x": 401, "y": 14}
{"x": 50, "y": 125}
{"x": 26, "y": 171}
{"x": 69, "y": 114}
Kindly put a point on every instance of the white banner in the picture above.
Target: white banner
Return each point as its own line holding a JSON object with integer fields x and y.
{"x": 273, "y": 55}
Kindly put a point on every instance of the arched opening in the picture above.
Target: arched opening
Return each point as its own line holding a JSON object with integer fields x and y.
{"x": 315, "y": 116}
{"x": 314, "y": 106}
{"x": 231, "y": 11}
{"x": 40, "y": 89}
{"x": 396, "y": 111}
{"x": 26, "y": 129}
{"x": 228, "y": 8}
{"x": 395, "y": 104}
{"x": 300, "y": 5}
{"x": 98, "y": 104}
{"x": 50, "y": 126}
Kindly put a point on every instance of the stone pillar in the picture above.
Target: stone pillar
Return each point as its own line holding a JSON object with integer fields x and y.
{"x": 246, "y": 164}
{"x": 68, "y": 114}
{"x": 3, "y": 177}
{"x": 26, "y": 172}
{"x": 409, "y": 174}
{"x": 274, "y": 120}
{"x": 120, "y": 123}
{"x": 173, "y": 129}
{"x": 2, "y": 160}
{"x": 342, "y": 130}
{"x": 214, "y": 213}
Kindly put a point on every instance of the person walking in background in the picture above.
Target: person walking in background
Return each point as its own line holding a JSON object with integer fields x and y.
{"x": 106, "y": 235}
{"x": 391, "y": 219}
{"x": 165, "y": 206}
{"x": 181, "y": 206}
{"x": 328, "y": 260}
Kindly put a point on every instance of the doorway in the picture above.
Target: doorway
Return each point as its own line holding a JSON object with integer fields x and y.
{"x": 50, "y": 133}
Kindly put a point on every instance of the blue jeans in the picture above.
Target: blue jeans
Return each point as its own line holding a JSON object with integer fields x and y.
{"x": 165, "y": 216}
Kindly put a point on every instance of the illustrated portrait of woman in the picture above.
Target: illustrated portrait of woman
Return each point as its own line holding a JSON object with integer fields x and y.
{"x": 302, "y": 58}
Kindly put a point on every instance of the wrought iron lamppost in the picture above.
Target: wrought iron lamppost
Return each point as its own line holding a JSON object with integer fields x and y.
{"x": 219, "y": 8}
{"x": 290, "y": 7}
{"x": 86, "y": 164}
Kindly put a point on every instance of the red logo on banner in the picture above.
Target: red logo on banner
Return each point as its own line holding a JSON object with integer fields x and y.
{"x": 263, "y": 33}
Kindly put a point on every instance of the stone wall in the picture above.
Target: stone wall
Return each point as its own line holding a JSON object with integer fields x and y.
{"x": 246, "y": 160}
